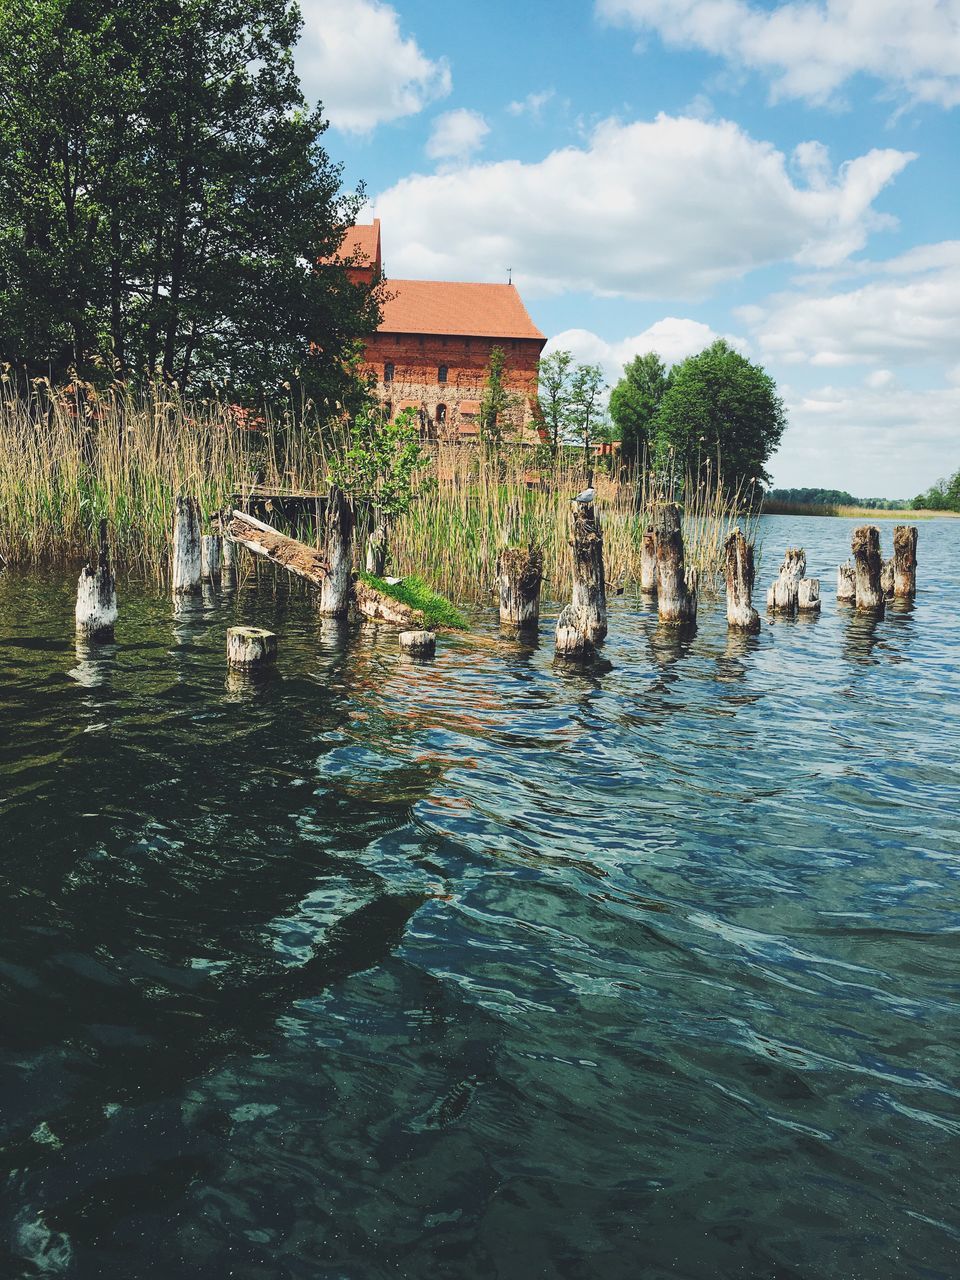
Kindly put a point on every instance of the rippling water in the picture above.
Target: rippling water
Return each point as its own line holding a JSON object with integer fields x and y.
{"x": 475, "y": 968}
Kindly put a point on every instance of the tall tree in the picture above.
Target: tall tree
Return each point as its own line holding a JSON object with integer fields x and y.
{"x": 634, "y": 402}
{"x": 498, "y": 403}
{"x": 720, "y": 410}
{"x": 586, "y": 391}
{"x": 554, "y": 376}
{"x": 165, "y": 200}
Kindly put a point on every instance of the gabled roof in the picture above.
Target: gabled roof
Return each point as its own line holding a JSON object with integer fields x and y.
{"x": 456, "y": 310}
{"x": 362, "y": 244}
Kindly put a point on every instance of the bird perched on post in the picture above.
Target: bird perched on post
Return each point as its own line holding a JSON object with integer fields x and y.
{"x": 587, "y": 496}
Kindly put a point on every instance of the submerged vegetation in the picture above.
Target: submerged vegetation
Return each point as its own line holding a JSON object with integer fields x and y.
{"x": 70, "y": 458}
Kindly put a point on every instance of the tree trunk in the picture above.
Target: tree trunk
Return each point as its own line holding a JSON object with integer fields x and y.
{"x": 676, "y": 590}
{"x": 782, "y": 596}
{"x": 868, "y": 565}
{"x": 648, "y": 563}
{"x": 589, "y": 587}
{"x": 376, "y": 558}
{"x": 521, "y": 575}
{"x": 846, "y": 583}
{"x": 571, "y": 639}
{"x": 740, "y": 578}
{"x": 186, "y": 547}
{"x": 335, "y": 588}
{"x": 905, "y": 561}
{"x": 96, "y": 610}
{"x": 249, "y": 647}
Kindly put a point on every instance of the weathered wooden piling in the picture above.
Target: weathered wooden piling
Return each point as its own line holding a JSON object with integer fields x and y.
{"x": 783, "y": 594}
{"x": 589, "y": 586}
{"x": 905, "y": 561}
{"x": 521, "y": 574}
{"x": 419, "y": 644}
{"x": 572, "y": 640}
{"x": 868, "y": 565}
{"x": 211, "y": 552}
{"x": 886, "y": 578}
{"x": 676, "y": 588}
{"x": 250, "y": 647}
{"x": 187, "y": 567}
{"x": 808, "y": 595}
{"x": 846, "y": 583}
{"x": 648, "y": 562}
{"x": 738, "y": 556}
{"x": 96, "y": 610}
{"x": 335, "y": 589}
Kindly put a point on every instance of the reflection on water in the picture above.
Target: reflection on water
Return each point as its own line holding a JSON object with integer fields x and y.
{"x": 481, "y": 966}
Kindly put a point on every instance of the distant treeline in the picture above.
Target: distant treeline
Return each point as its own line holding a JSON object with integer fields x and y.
{"x": 834, "y": 498}
{"x": 942, "y": 496}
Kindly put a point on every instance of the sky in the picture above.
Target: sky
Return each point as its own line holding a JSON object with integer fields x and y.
{"x": 657, "y": 173}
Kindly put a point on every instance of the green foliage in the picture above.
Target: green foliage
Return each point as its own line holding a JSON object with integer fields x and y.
{"x": 497, "y": 402}
{"x": 830, "y": 498}
{"x": 380, "y": 460}
{"x": 719, "y": 411}
{"x": 634, "y": 403}
{"x": 586, "y": 390}
{"x": 942, "y": 496}
{"x": 554, "y": 374}
{"x": 164, "y": 199}
{"x": 438, "y": 611}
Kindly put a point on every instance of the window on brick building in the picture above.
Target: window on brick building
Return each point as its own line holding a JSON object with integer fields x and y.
{"x": 441, "y": 414}
{"x": 388, "y": 372}
{"x": 442, "y": 373}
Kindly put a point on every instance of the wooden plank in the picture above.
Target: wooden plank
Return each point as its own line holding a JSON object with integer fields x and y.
{"x": 258, "y": 537}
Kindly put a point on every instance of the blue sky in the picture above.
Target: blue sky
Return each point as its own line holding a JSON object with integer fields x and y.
{"x": 658, "y": 172}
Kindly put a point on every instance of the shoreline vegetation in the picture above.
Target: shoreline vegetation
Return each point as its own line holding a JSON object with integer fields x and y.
{"x": 772, "y": 507}
{"x": 69, "y": 459}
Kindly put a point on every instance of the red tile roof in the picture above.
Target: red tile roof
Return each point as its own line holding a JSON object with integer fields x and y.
{"x": 362, "y": 244}
{"x": 456, "y": 309}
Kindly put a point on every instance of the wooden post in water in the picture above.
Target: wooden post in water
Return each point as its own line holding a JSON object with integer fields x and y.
{"x": 905, "y": 561}
{"x": 808, "y": 595}
{"x": 211, "y": 550}
{"x": 335, "y": 587}
{"x": 571, "y": 640}
{"x": 419, "y": 644}
{"x": 186, "y": 547}
{"x": 846, "y": 583}
{"x": 648, "y": 562}
{"x": 868, "y": 565}
{"x": 741, "y": 614}
{"x": 250, "y": 647}
{"x": 676, "y": 589}
{"x": 521, "y": 575}
{"x": 783, "y": 595}
{"x": 589, "y": 586}
{"x": 96, "y": 610}
{"x": 886, "y": 578}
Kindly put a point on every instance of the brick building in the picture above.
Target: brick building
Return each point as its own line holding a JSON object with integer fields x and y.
{"x": 432, "y": 349}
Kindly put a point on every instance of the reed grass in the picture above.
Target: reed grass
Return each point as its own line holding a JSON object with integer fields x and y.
{"x": 775, "y": 508}
{"x": 69, "y": 457}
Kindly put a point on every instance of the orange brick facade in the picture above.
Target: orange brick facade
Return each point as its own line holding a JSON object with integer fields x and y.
{"x": 443, "y": 379}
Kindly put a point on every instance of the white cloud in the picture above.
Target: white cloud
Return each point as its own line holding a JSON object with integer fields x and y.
{"x": 811, "y": 48}
{"x": 670, "y": 208}
{"x": 456, "y": 135}
{"x": 673, "y": 339}
{"x": 355, "y": 59}
{"x": 886, "y": 441}
{"x": 909, "y": 313}
{"x": 532, "y": 105}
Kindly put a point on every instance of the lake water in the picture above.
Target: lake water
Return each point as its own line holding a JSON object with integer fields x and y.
{"x": 475, "y": 968}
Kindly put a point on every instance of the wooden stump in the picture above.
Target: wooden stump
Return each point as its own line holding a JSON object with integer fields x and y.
{"x": 336, "y": 586}
{"x": 419, "y": 644}
{"x": 905, "y": 561}
{"x": 676, "y": 590}
{"x": 783, "y": 595}
{"x": 738, "y": 554}
{"x": 846, "y": 583}
{"x": 96, "y": 610}
{"x": 250, "y": 647}
{"x": 211, "y": 551}
{"x": 572, "y": 641}
{"x": 886, "y": 578}
{"x": 808, "y": 595}
{"x": 589, "y": 587}
{"x": 228, "y": 556}
{"x": 648, "y": 562}
{"x": 521, "y": 575}
{"x": 868, "y": 565}
{"x": 186, "y": 547}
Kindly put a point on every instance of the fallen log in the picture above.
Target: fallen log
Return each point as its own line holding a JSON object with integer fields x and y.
{"x": 262, "y": 540}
